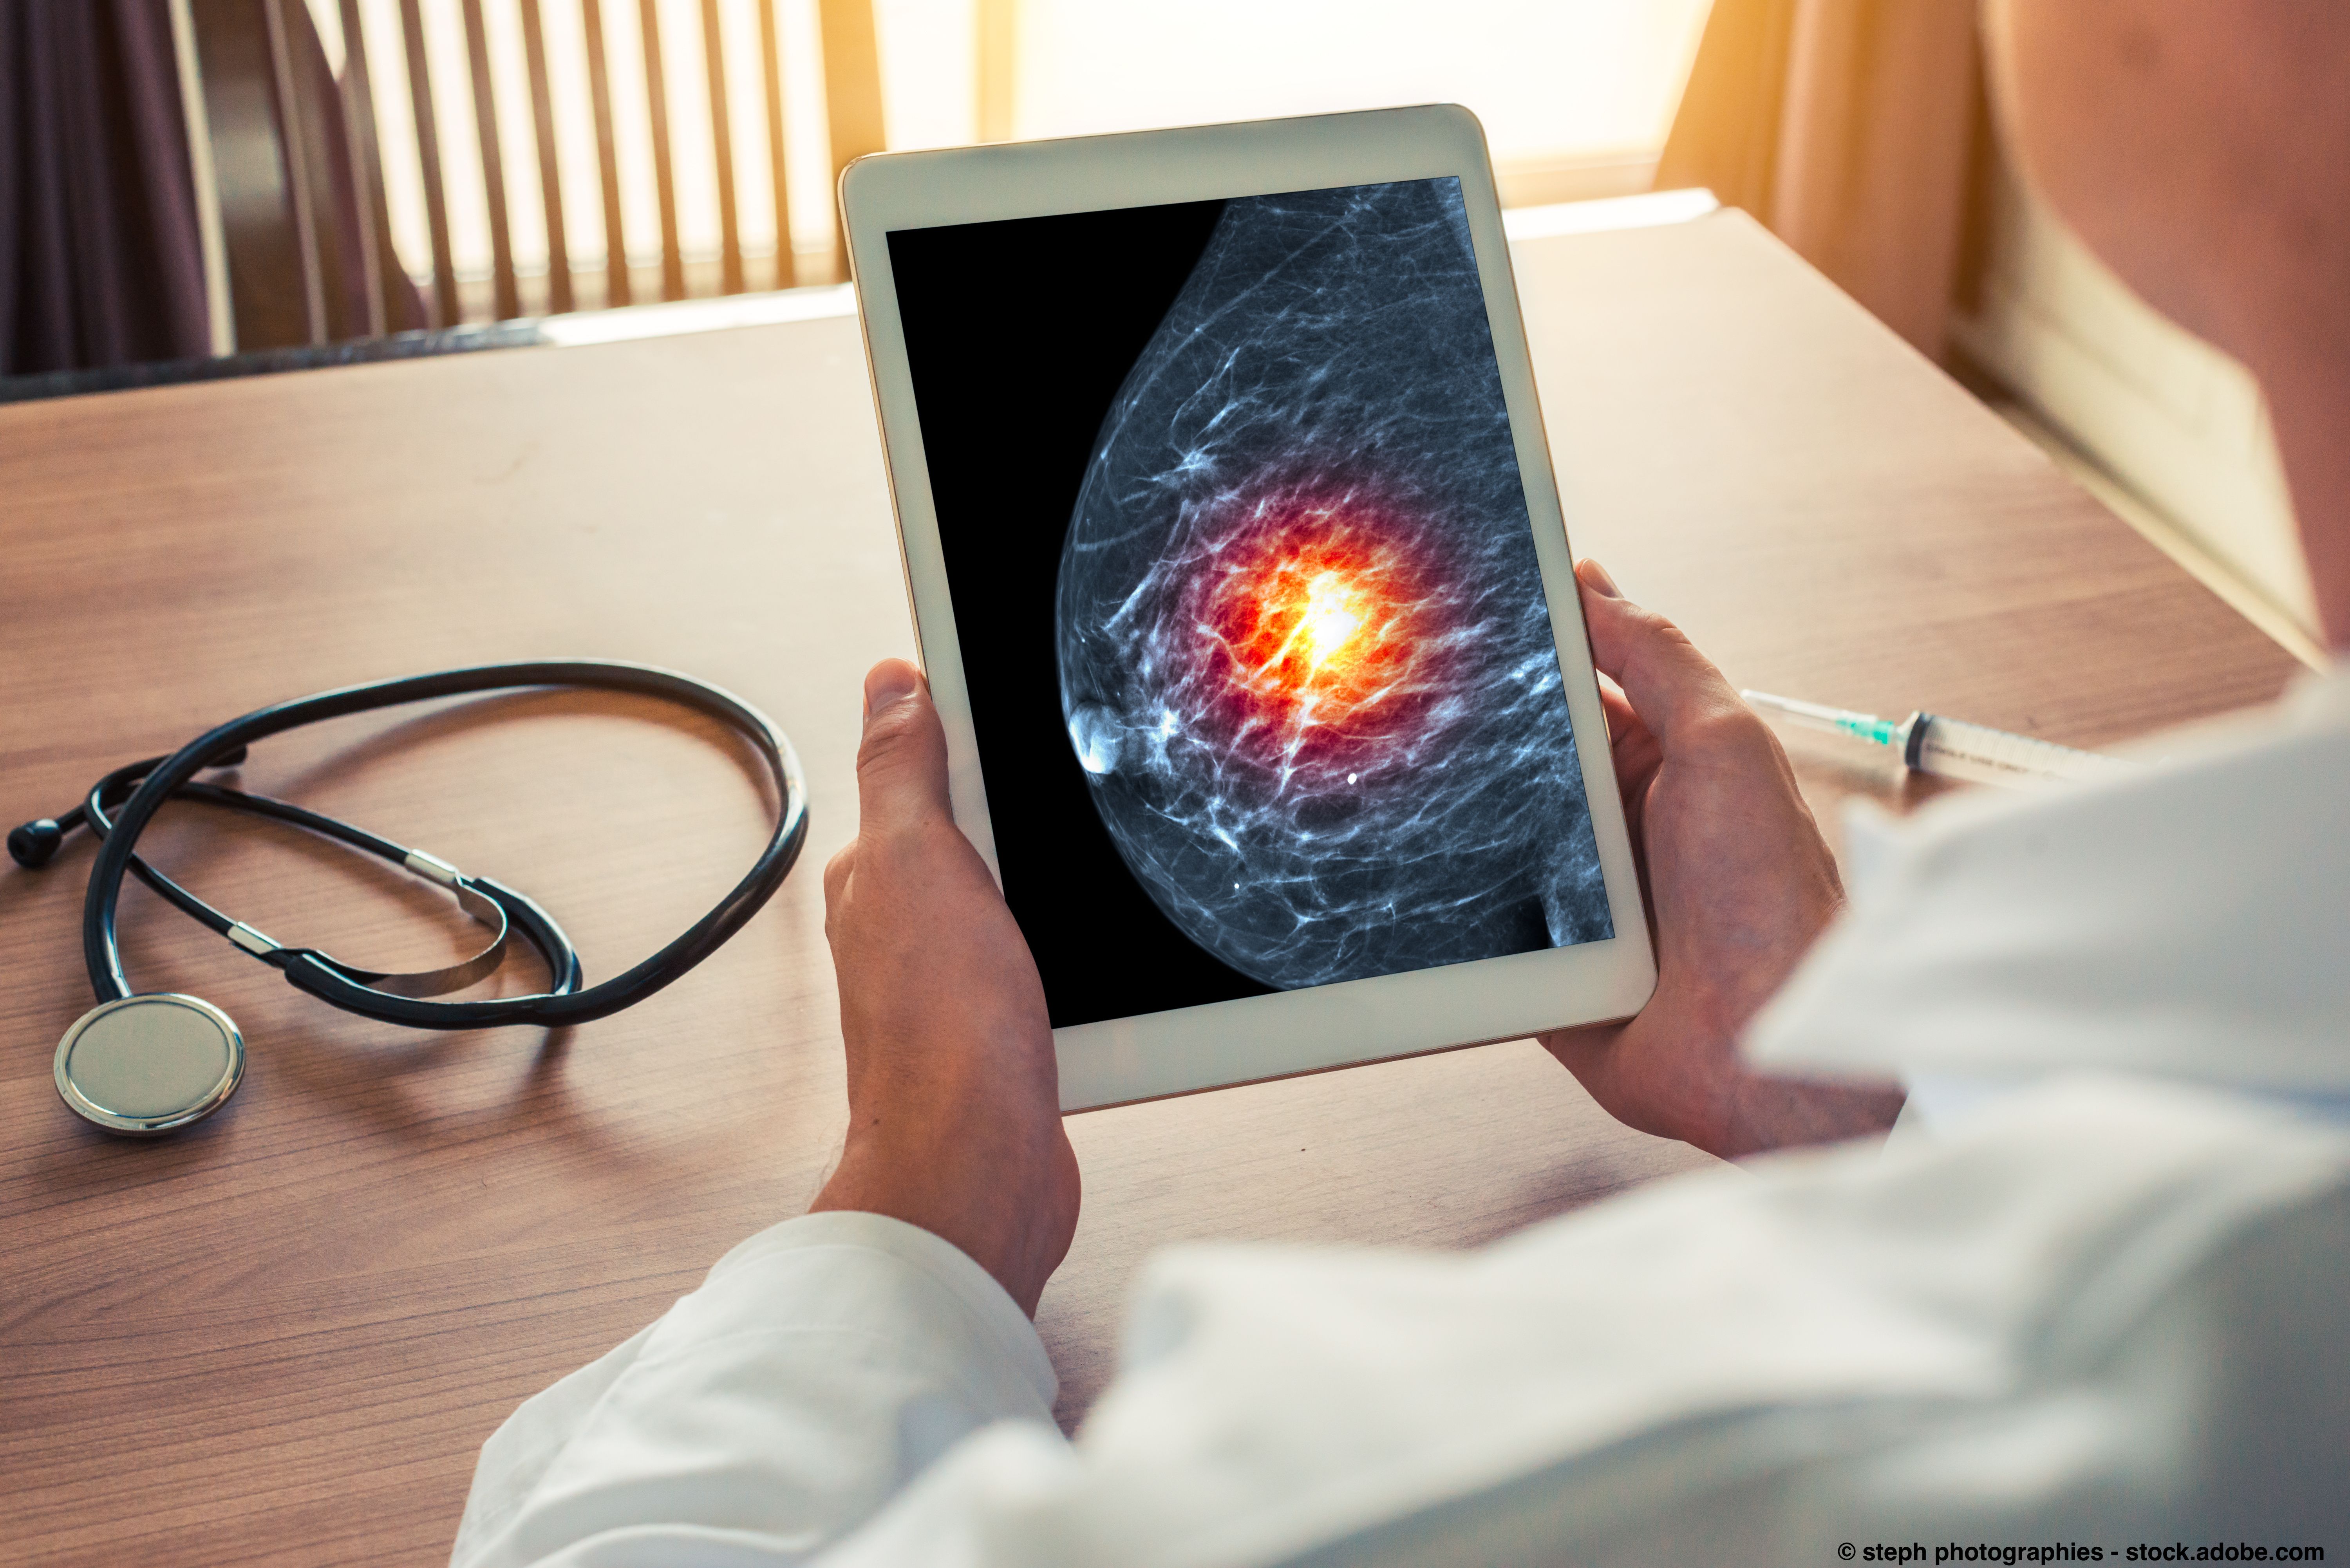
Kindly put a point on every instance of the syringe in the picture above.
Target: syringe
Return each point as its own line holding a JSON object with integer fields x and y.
{"x": 1951, "y": 748}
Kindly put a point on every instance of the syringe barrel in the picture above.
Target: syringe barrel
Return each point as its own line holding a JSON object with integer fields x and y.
{"x": 1954, "y": 749}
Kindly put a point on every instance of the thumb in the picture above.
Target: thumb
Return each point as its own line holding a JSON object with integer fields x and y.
{"x": 1669, "y": 682}
{"x": 901, "y": 766}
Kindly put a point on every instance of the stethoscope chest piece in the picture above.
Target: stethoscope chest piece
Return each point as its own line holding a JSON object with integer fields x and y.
{"x": 152, "y": 1064}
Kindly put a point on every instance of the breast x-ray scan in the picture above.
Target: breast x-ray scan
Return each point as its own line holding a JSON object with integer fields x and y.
{"x": 1262, "y": 673}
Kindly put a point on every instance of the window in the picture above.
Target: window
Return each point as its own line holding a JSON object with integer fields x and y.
{"x": 1575, "y": 97}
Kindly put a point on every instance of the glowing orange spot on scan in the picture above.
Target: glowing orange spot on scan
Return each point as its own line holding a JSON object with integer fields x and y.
{"x": 1334, "y": 614}
{"x": 1323, "y": 630}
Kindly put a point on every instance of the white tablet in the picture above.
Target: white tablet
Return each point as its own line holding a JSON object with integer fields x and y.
{"x": 1241, "y": 585}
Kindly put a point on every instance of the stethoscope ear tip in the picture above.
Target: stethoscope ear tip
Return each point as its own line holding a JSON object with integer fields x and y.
{"x": 143, "y": 1065}
{"x": 35, "y": 844}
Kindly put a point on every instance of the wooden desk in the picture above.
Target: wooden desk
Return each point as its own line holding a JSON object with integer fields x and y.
{"x": 281, "y": 1338}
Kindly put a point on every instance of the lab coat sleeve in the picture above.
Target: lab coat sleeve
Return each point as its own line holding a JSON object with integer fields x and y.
{"x": 2103, "y": 1312}
{"x": 823, "y": 1364}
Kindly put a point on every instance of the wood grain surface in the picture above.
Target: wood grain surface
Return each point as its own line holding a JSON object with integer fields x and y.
{"x": 281, "y": 1338}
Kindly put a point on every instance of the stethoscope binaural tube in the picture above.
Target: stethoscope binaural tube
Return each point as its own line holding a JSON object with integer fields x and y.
{"x": 402, "y": 1000}
{"x": 501, "y": 908}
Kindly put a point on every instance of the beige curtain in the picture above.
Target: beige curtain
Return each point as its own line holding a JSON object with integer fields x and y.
{"x": 1847, "y": 127}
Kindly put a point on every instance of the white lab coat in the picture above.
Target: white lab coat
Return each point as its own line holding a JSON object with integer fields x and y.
{"x": 2101, "y": 1302}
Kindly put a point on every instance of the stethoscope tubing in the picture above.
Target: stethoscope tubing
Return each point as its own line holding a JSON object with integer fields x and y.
{"x": 567, "y": 1002}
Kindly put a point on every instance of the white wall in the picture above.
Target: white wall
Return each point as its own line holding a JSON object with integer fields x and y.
{"x": 2177, "y": 423}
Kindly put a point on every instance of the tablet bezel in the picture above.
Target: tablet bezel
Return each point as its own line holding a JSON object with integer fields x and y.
{"x": 1250, "y": 1039}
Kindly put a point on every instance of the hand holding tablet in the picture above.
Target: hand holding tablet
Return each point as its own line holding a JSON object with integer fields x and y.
{"x": 954, "y": 1124}
{"x": 1244, "y": 596}
{"x": 952, "y": 1119}
{"x": 1741, "y": 884}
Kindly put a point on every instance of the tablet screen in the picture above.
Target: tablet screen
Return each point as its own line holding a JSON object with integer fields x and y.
{"x": 1261, "y": 672}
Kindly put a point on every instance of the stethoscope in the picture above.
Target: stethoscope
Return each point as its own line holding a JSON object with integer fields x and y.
{"x": 152, "y": 1063}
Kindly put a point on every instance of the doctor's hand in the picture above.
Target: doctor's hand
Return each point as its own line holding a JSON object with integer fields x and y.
{"x": 954, "y": 1115}
{"x": 1739, "y": 884}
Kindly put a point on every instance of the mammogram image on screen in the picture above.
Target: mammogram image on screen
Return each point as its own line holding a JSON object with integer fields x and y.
{"x": 1305, "y": 661}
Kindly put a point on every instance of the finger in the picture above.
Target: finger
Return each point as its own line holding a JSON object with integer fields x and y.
{"x": 836, "y": 873}
{"x": 1632, "y": 749}
{"x": 1636, "y": 755}
{"x": 901, "y": 766}
{"x": 1621, "y": 720}
{"x": 1582, "y": 1051}
{"x": 1670, "y": 683}
{"x": 1630, "y": 743}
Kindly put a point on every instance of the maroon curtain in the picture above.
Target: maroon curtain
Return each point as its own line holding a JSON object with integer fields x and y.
{"x": 100, "y": 260}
